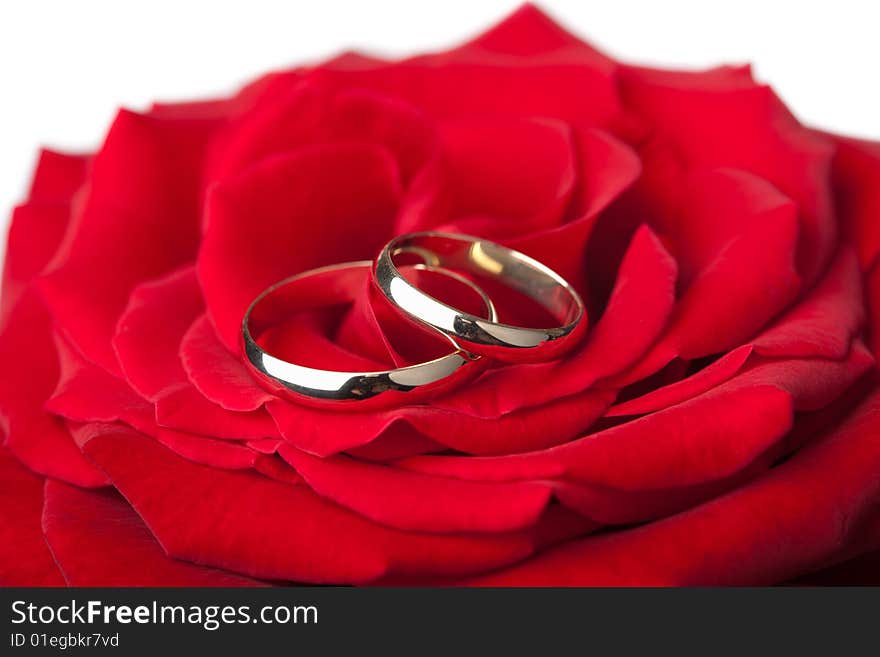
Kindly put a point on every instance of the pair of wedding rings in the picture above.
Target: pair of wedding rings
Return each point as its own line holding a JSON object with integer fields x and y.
{"x": 474, "y": 339}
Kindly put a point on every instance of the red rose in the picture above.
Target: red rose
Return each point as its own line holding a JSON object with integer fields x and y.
{"x": 719, "y": 423}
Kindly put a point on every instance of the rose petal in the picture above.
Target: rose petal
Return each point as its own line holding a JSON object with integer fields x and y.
{"x": 362, "y": 332}
{"x": 794, "y": 519}
{"x": 812, "y": 328}
{"x": 263, "y": 227}
{"x": 149, "y": 331}
{"x": 223, "y": 108}
{"x": 57, "y": 177}
{"x": 706, "y": 438}
{"x": 87, "y": 393}
{"x": 27, "y": 353}
{"x": 276, "y": 468}
{"x": 747, "y": 281}
{"x": 323, "y": 433}
{"x": 578, "y": 84}
{"x": 309, "y": 337}
{"x": 139, "y": 220}
{"x": 600, "y": 484}
{"x": 708, "y": 123}
{"x": 413, "y": 501}
{"x": 675, "y": 393}
{"x": 824, "y": 323}
{"x": 207, "y": 451}
{"x": 636, "y": 313}
{"x": 396, "y": 442}
{"x": 37, "y": 227}
{"x": 34, "y": 232}
{"x": 218, "y": 374}
{"x": 731, "y": 297}
{"x": 527, "y": 32}
{"x": 873, "y": 293}
{"x": 186, "y": 409}
{"x": 607, "y": 167}
{"x": 295, "y": 115}
{"x": 98, "y": 540}
{"x": 493, "y": 192}
{"x": 812, "y": 382}
{"x": 24, "y": 558}
{"x": 246, "y": 523}
{"x": 30, "y": 372}
{"x": 855, "y": 171}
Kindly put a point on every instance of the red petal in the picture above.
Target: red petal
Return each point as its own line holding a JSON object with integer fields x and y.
{"x": 398, "y": 441}
{"x": 577, "y": 84}
{"x": 148, "y": 334}
{"x": 36, "y": 228}
{"x": 528, "y": 31}
{"x": 704, "y": 439}
{"x": 812, "y": 382}
{"x": 308, "y": 337}
{"x": 295, "y": 116}
{"x": 873, "y": 293}
{"x": 87, "y": 393}
{"x": 741, "y": 287}
{"x": 323, "y": 432}
{"x": 374, "y": 327}
{"x": 361, "y": 331}
{"x": 824, "y": 323}
{"x": 186, "y": 409}
{"x": 201, "y": 449}
{"x": 491, "y": 193}
{"x": 247, "y": 523}
{"x": 34, "y": 234}
{"x": 707, "y": 378}
{"x": 790, "y": 521}
{"x": 30, "y": 372}
{"x": 24, "y": 558}
{"x": 218, "y": 374}
{"x": 274, "y": 467}
{"x": 58, "y": 177}
{"x": 139, "y": 220}
{"x": 98, "y": 540}
{"x": 707, "y": 124}
{"x": 607, "y": 167}
{"x": 855, "y": 171}
{"x": 748, "y": 281}
{"x": 27, "y": 354}
{"x": 636, "y": 313}
{"x": 417, "y": 502}
{"x": 262, "y": 228}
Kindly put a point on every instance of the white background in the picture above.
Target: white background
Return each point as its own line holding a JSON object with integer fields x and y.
{"x": 66, "y": 66}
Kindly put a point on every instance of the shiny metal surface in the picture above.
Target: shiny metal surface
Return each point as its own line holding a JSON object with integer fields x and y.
{"x": 327, "y": 286}
{"x": 481, "y": 257}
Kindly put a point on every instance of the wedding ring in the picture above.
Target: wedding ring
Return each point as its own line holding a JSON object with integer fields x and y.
{"x": 480, "y": 257}
{"x": 333, "y": 285}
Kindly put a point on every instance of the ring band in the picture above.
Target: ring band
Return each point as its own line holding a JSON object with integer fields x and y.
{"x": 337, "y": 284}
{"x": 478, "y": 335}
